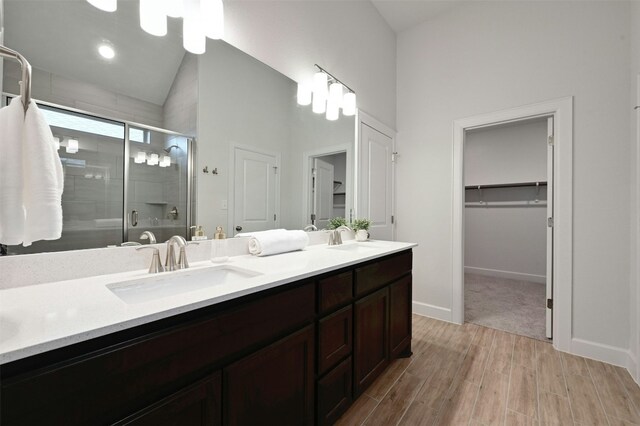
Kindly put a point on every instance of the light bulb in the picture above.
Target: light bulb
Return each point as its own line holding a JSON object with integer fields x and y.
{"x": 320, "y": 86}
{"x": 106, "y": 51}
{"x": 72, "y": 146}
{"x": 106, "y": 5}
{"x": 213, "y": 18}
{"x": 165, "y": 161}
{"x": 153, "y": 18}
{"x": 140, "y": 158}
{"x": 175, "y": 8}
{"x": 153, "y": 159}
{"x": 56, "y": 142}
{"x": 333, "y": 110}
{"x": 304, "y": 93}
{"x": 319, "y": 104}
{"x": 349, "y": 104}
{"x": 335, "y": 93}
{"x": 194, "y": 39}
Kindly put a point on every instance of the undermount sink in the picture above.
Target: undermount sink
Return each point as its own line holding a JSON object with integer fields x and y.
{"x": 174, "y": 283}
{"x": 363, "y": 247}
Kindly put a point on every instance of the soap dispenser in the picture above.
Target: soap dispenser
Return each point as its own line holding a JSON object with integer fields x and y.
{"x": 197, "y": 233}
{"x": 219, "y": 235}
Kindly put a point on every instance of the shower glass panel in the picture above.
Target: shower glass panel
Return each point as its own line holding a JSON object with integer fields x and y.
{"x": 155, "y": 179}
{"x": 157, "y": 185}
{"x": 91, "y": 151}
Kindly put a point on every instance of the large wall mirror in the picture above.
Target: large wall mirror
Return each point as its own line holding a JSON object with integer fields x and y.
{"x": 157, "y": 139}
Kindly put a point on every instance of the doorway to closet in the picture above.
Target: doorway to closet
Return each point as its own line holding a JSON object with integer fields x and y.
{"x": 508, "y": 233}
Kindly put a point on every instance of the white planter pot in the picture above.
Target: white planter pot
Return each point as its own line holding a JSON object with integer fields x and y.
{"x": 362, "y": 235}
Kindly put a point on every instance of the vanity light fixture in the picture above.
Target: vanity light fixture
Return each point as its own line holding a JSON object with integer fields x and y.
{"x": 140, "y": 157}
{"x": 72, "y": 146}
{"x": 153, "y": 160}
{"x": 56, "y": 142}
{"x": 106, "y": 51}
{"x": 106, "y": 5}
{"x": 165, "y": 161}
{"x": 201, "y": 19}
{"x": 327, "y": 95}
{"x": 153, "y": 17}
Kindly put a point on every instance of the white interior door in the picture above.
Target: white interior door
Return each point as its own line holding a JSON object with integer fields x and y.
{"x": 322, "y": 192}
{"x": 549, "y": 319}
{"x": 255, "y": 184}
{"x": 376, "y": 182}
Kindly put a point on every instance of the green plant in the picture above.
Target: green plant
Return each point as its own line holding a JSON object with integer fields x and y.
{"x": 361, "y": 224}
{"x": 336, "y": 222}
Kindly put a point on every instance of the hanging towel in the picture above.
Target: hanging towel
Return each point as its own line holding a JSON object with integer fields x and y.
{"x": 276, "y": 241}
{"x": 11, "y": 183}
{"x": 43, "y": 180}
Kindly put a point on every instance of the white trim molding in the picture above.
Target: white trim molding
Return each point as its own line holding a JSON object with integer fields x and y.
{"x": 520, "y": 276}
{"x": 601, "y": 352}
{"x": 562, "y": 111}
{"x": 431, "y": 311}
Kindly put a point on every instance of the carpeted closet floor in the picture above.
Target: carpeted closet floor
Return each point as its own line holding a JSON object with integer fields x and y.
{"x": 510, "y": 305}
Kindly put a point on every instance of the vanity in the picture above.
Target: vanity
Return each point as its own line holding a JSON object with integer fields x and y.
{"x": 296, "y": 345}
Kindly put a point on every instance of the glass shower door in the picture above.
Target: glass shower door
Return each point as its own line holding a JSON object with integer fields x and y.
{"x": 157, "y": 184}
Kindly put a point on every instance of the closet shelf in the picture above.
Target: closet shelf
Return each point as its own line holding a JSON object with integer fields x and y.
{"x": 506, "y": 185}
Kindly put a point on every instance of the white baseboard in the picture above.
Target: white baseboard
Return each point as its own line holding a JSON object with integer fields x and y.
{"x": 632, "y": 367}
{"x": 506, "y": 274}
{"x": 432, "y": 311}
{"x": 601, "y": 352}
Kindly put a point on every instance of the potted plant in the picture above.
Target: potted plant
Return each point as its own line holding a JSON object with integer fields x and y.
{"x": 361, "y": 227}
{"x": 337, "y": 222}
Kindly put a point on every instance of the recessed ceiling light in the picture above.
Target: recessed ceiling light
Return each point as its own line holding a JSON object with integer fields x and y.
{"x": 106, "y": 51}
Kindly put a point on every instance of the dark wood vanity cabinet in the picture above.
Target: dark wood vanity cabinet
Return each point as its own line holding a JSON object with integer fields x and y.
{"x": 297, "y": 354}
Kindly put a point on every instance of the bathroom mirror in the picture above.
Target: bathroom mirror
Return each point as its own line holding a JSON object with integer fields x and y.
{"x": 257, "y": 155}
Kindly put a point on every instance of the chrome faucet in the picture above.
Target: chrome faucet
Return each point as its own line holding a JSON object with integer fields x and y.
{"x": 148, "y": 235}
{"x": 335, "y": 235}
{"x": 170, "y": 261}
{"x": 310, "y": 228}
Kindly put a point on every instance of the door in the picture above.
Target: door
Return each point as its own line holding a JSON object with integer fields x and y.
{"x": 256, "y": 180}
{"x": 376, "y": 182}
{"x": 549, "y": 278}
{"x": 322, "y": 190}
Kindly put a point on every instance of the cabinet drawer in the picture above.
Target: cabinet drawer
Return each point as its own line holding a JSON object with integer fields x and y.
{"x": 334, "y": 393}
{"x": 335, "y": 291}
{"x": 375, "y": 275}
{"x": 334, "y": 338}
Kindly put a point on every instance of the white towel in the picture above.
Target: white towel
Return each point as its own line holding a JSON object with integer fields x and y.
{"x": 11, "y": 183}
{"x": 43, "y": 180}
{"x": 266, "y": 243}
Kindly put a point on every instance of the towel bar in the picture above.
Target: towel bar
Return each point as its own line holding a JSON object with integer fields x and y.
{"x": 25, "y": 85}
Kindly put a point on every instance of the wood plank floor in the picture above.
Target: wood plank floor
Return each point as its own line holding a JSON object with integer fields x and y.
{"x": 473, "y": 375}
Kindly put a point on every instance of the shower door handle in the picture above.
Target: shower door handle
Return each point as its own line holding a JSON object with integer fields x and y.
{"x": 134, "y": 218}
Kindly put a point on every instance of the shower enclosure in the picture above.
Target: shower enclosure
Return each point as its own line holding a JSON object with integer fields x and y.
{"x": 120, "y": 179}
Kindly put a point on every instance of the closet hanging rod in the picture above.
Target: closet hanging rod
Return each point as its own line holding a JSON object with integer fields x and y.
{"x": 25, "y": 84}
{"x": 506, "y": 185}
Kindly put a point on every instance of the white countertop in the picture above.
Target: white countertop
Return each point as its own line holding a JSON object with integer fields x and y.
{"x": 38, "y": 318}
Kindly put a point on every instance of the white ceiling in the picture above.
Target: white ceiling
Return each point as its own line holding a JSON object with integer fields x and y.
{"x": 62, "y": 36}
{"x": 404, "y": 14}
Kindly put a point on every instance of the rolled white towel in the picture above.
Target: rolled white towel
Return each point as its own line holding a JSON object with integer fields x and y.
{"x": 266, "y": 243}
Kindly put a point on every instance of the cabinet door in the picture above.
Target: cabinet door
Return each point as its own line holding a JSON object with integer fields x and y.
{"x": 334, "y": 393}
{"x": 400, "y": 317}
{"x": 273, "y": 386}
{"x": 371, "y": 348}
{"x": 196, "y": 405}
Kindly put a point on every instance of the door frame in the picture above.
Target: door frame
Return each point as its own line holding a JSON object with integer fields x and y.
{"x": 307, "y": 166}
{"x": 562, "y": 111}
{"x": 231, "y": 207}
{"x": 363, "y": 118}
